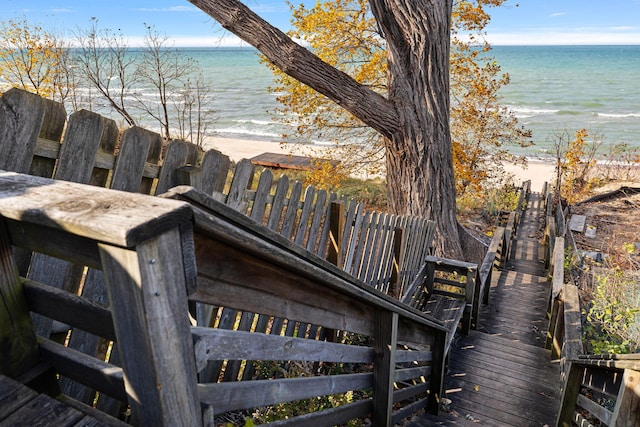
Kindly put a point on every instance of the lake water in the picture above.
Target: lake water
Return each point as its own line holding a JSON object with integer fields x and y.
{"x": 552, "y": 88}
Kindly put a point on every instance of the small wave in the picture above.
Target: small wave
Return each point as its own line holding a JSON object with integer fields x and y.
{"x": 569, "y": 113}
{"x": 255, "y": 122}
{"x": 526, "y": 112}
{"x": 248, "y": 132}
{"x": 618, "y": 116}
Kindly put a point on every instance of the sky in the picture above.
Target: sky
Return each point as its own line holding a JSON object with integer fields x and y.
{"x": 520, "y": 22}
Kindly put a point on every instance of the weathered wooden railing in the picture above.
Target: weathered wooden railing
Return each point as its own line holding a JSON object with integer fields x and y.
{"x": 382, "y": 250}
{"x": 597, "y": 388}
{"x": 602, "y": 389}
{"x": 385, "y": 251}
{"x": 138, "y": 248}
{"x": 152, "y": 259}
{"x": 498, "y": 251}
{"x": 244, "y": 266}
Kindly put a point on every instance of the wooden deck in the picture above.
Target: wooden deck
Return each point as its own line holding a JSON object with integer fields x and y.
{"x": 500, "y": 374}
{"x": 22, "y": 406}
{"x": 288, "y": 161}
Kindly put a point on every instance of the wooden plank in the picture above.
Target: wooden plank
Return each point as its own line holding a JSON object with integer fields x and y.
{"x": 305, "y": 214}
{"x": 147, "y": 296}
{"x": 152, "y": 168}
{"x": 395, "y": 289}
{"x": 59, "y": 244}
{"x": 594, "y": 409}
{"x": 13, "y": 396}
{"x": 213, "y": 171}
{"x": 174, "y": 158}
{"x": 88, "y": 370}
{"x": 214, "y": 344}
{"x": 386, "y": 341}
{"x": 627, "y": 410}
{"x": 52, "y": 129}
{"x": 353, "y": 224}
{"x": 97, "y": 213}
{"x": 278, "y": 203}
{"x": 291, "y": 213}
{"x": 319, "y": 210}
{"x": 241, "y": 181}
{"x": 101, "y": 172}
{"x": 337, "y": 227}
{"x": 130, "y": 163}
{"x": 21, "y": 115}
{"x": 261, "y": 200}
{"x": 225, "y": 397}
{"x": 330, "y": 417}
{"x": 572, "y": 322}
{"x": 323, "y": 242}
{"x": 80, "y": 146}
{"x": 43, "y": 410}
{"x": 289, "y": 161}
{"x": 19, "y": 350}
{"x": 69, "y": 308}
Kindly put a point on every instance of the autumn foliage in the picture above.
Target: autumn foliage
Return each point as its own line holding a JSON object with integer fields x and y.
{"x": 32, "y": 59}
{"x": 344, "y": 34}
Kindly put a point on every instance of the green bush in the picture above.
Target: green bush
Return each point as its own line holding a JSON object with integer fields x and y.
{"x": 613, "y": 319}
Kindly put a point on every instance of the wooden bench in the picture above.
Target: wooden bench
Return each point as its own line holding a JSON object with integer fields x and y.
{"x": 445, "y": 289}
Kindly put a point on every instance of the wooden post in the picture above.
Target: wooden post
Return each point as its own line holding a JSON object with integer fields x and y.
{"x": 386, "y": 341}
{"x": 569, "y": 396}
{"x": 336, "y": 231}
{"x": 19, "y": 350}
{"x": 146, "y": 289}
{"x": 398, "y": 255}
{"x": 627, "y": 409}
{"x": 438, "y": 364}
{"x": 470, "y": 290}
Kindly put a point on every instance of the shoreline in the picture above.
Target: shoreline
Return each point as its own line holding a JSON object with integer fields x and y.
{"x": 537, "y": 170}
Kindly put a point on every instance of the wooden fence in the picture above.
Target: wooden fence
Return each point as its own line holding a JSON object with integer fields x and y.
{"x": 382, "y": 250}
{"x": 597, "y": 388}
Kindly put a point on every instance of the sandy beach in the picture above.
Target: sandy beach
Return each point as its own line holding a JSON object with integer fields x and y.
{"x": 537, "y": 171}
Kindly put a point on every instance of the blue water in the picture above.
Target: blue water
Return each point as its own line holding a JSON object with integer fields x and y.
{"x": 572, "y": 87}
{"x": 552, "y": 88}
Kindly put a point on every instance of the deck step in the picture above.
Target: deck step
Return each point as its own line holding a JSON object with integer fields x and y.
{"x": 442, "y": 419}
{"x": 501, "y": 374}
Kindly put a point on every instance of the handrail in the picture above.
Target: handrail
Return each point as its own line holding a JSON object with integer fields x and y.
{"x": 612, "y": 376}
{"x": 248, "y": 267}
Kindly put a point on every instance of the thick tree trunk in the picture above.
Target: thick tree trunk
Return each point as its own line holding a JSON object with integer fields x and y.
{"x": 420, "y": 177}
{"x": 414, "y": 119}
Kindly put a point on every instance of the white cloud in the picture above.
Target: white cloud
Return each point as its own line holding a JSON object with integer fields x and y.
{"x": 555, "y": 15}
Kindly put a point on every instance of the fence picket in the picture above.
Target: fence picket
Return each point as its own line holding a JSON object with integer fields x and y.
{"x": 21, "y": 114}
{"x": 129, "y": 165}
{"x": 175, "y": 157}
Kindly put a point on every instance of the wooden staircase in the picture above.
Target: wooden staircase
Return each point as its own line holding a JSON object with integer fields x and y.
{"x": 500, "y": 374}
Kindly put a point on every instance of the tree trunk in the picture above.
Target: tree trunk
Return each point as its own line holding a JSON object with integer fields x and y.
{"x": 414, "y": 120}
{"x": 419, "y": 158}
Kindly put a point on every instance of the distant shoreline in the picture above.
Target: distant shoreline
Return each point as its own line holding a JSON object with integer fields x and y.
{"x": 538, "y": 170}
